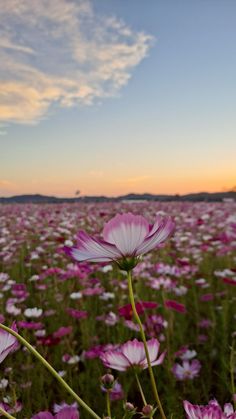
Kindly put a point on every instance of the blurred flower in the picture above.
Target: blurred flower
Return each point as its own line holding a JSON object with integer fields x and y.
{"x": 9, "y": 408}
{"x": 3, "y": 383}
{"x": 77, "y": 314}
{"x": 58, "y": 407}
{"x": 33, "y": 312}
{"x": 30, "y": 325}
{"x": 76, "y": 295}
{"x": 71, "y": 359}
{"x": 62, "y": 331}
{"x": 174, "y": 305}
{"x": 67, "y": 412}
{"x": 187, "y": 371}
{"x": 127, "y": 312}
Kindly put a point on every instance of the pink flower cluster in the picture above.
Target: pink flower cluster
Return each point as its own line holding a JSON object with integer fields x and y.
{"x": 211, "y": 411}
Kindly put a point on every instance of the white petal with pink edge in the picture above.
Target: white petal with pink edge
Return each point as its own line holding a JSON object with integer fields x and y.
{"x": 89, "y": 248}
{"x": 115, "y": 360}
{"x": 160, "y": 235}
{"x": 192, "y": 411}
{"x": 153, "y": 349}
{"x": 134, "y": 351}
{"x": 126, "y": 232}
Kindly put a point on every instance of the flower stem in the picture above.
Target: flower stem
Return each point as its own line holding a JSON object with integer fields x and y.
{"x": 154, "y": 388}
{"x": 7, "y": 415}
{"x": 232, "y": 368}
{"x": 108, "y": 403}
{"x": 141, "y": 390}
{"x": 51, "y": 369}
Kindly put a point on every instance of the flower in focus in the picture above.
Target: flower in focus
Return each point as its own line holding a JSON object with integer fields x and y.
{"x": 8, "y": 343}
{"x": 132, "y": 354}
{"x": 125, "y": 237}
{"x": 210, "y": 411}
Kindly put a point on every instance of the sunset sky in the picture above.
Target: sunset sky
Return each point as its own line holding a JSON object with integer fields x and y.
{"x": 117, "y": 96}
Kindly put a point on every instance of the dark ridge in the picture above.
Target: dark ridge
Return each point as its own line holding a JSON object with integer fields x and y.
{"x": 193, "y": 197}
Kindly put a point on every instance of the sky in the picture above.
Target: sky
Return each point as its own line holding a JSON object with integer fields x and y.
{"x": 108, "y": 97}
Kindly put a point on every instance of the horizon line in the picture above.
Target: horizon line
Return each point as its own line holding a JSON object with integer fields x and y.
{"x": 81, "y": 196}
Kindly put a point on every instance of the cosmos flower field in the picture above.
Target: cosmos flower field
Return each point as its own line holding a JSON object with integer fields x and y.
{"x": 74, "y": 313}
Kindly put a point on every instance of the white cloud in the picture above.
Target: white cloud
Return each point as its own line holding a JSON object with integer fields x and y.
{"x": 60, "y": 53}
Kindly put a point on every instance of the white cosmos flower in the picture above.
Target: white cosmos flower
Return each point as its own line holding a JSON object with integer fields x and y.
{"x": 33, "y": 312}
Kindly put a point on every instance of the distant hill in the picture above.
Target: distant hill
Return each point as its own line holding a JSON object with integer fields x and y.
{"x": 194, "y": 197}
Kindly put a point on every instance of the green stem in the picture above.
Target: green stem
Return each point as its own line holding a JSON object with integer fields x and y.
{"x": 154, "y": 388}
{"x": 51, "y": 369}
{"x": 232, "y": 372}
{"x": 4, "y": 413}
{"x": 108, "y": 403}
{"x": 141, "y": 390}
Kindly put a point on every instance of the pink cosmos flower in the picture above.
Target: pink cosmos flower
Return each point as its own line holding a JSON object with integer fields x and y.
{"x": 29, "y": 325}
{"x": 11, "y": 409}
{"x": 67, "y": 412}
{"x": 132, "y": 354}
{"x": 77, "y": 314}
{"x": 187, "y": 371}
{"x": 174, "y": 305}
{"x": 8, "y": 343}
{"x": 125, "y": 237}
{"x": 58, "y": 407}
{"x": 127, "y": 312}
{"x": 210, "y": 411}
{"x": 62, "y": 331}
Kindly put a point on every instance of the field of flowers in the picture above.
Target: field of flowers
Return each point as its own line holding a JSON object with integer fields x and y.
{"x": 78, "y": 314}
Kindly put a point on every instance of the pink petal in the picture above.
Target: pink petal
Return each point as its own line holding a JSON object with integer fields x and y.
{"x": 67, "y": 413}
{"x": 115, "y": 360}
{"x": 159, "y": 236}
{"x": 43, "y": 415}
{"x": 94, "y": 250}
{"x": 8, "y": 343}
{"x": 127, "y": 232}
{"x": 134, "y": 351}
{"x": 159, "y": 360}
{"x": 193, "y": 412}
{"x": 153, "y": 349}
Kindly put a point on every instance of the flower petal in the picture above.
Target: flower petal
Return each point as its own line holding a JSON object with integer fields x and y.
{"x": 193, "y": 411}
{"x": 92, "y": 249}
{"x": 127, "y": 232}
{"x": 115, "y": 360}
{"x": 159, "y": 236}
{"x": 134, "y": 351}
{"x": 153, "y": 349}
{"x": 8, "y": 343}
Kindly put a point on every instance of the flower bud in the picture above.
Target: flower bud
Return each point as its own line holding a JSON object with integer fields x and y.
{"x": 108, "y": 381}
{"x": 148, "y": 411}
{"x": 129, "y": 407}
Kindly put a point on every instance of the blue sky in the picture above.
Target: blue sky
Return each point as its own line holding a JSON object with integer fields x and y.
{"x": 112, "y": 96}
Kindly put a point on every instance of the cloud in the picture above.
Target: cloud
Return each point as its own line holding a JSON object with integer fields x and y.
{"x": 60, "y": 53}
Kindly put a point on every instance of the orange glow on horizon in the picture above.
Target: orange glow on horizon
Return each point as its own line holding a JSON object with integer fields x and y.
{"x": 112, "y": 188}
